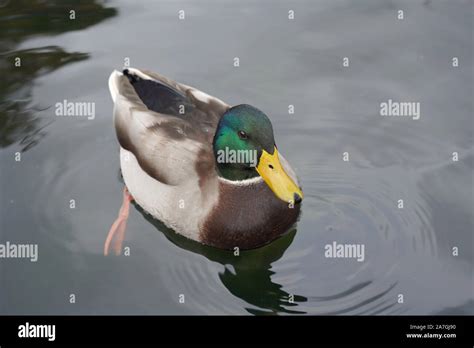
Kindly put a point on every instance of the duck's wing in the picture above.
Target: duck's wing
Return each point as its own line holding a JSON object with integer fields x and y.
{"x": 168, "y": 126}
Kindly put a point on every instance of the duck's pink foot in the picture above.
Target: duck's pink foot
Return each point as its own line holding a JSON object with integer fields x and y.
{"x": 117, "y": 231}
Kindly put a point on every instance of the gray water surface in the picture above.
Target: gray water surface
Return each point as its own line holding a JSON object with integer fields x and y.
{"x": 408, "y": 251}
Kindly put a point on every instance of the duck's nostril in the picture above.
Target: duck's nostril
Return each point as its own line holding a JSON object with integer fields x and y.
{"x": 297, "y": 198}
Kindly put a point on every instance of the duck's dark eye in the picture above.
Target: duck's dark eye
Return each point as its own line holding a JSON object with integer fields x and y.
{"x": 242, "y": 135}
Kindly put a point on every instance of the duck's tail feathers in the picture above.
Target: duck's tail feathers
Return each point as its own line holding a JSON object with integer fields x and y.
{"x": 113, "y": 84}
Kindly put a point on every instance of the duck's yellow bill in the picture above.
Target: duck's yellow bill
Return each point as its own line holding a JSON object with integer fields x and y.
{"x": 272, "y": 172}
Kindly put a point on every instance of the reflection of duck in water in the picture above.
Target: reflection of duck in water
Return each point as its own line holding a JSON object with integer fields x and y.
{"x": 248, "y": 275}
{"x": 209, "y": 171}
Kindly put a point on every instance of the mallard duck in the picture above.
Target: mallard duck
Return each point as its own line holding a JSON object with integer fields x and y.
{"x": 209, "y": 171}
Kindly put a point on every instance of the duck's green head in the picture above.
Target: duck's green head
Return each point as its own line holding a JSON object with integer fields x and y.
{"x": 245, "y": 148}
